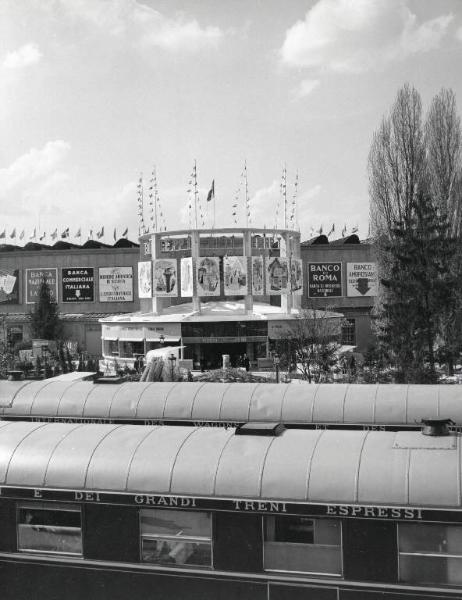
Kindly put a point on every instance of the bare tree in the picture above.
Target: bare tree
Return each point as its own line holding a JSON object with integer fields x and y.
{"x": 444, "y": 157}
{"x": 397, "y": 162}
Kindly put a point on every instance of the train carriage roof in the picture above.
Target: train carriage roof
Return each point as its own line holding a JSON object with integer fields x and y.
{"x": 365, "y": 467}
{"x": 233, "y": 402}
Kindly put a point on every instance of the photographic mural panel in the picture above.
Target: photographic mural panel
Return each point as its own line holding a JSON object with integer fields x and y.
{"x": 165, "y": 278}
{"x": 9, "y": 286}
{"x": 296, "y": 276}
{"x": 208, "y": 276}
{"x": 277, "y": 276}
{"x": 235, "y": 275}
{"x": 187, "y": 282}
{"x": 145, "y": 279}
{"x": 258, "y": 278}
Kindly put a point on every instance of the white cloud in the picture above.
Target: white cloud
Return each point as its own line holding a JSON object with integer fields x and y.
{"x": 25, "y": 56}
{"x": 305, "y": 88}
{"x": 358, "y": 35}
{"x": 144, "y": 25}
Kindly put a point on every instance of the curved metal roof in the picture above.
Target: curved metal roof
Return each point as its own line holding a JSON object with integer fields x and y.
{"x": 235, "y": 402}
{"x": 364, "y": 467}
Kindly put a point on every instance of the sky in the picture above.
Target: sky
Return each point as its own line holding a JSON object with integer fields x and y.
{"x": 94, "y": 93}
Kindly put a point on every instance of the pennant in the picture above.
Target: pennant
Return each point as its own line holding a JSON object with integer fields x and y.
{"x": 99, "y": 234}
{"x": 65, "y": 233}
{"x": 54, "y": 235}
{"x": 79, "y": 233}
{"x": 344, "y": 231}
{"x": 90, "y": 234}
{"x": 34, "y": 234}
{"x": 211, "y": 194}
{"x": 332, "y": 230}
{"x": 355, "y": 229}
{"x": 3, "y": 234}
{"x": 43, "y": 236}
{"x": 22, "y": 234}
{"x": 13, "y": 233}
{"x": 319, "y": 232}
{"x": 115, "y": 235}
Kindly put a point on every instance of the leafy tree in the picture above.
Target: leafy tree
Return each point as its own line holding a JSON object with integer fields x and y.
{"x": 45, "y": 322}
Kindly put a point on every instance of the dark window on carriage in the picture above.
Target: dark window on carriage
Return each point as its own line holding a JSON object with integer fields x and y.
{"x": 430, "y": 553}
{"x": 176, "y": 537}
{"x": 51, "y": 528}
{"x": 348, "y": 334}
{"x": 303, "y": 545}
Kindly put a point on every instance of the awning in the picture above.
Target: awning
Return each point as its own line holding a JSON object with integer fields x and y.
{"x": 165, "y": 338}
{"x": 110, "y": 338}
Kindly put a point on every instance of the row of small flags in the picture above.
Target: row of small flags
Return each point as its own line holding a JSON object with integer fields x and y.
{"x": 332, "y": 230}
{"x": 65, "y": 234}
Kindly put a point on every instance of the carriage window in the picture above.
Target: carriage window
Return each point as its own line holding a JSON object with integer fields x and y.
{"x": 303, "y": 545}
{"x": 176, "y": 537}
{"x": 49, "y": 528}
{"x": 430, "y": 553}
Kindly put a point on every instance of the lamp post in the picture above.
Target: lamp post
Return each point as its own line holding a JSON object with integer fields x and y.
{"x": 172, "y": 359}
{"x": 161, "y": 338}
{"x": 276, "y": 366}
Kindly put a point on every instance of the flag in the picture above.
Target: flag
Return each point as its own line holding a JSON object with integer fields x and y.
{"x": 34, "y": 234}
{"x": 115, "y": 235}
{"x": 54, "y": 235}
{"x": 99, "y": 234}
{"x": 43, "y": 236}
{"x": 125, "y": 233}
{"x": 79, "y": 233}
{"x": 65, "y": 233}
{"x": 13, "y": 233}
{"x": 355, "y": 229}
{"x": 332, "y": 230}
{"x": 319, "y": 232}
{"x": 344, "y": 230}
{"x": 211, "y": 194}
{"x": 3, "y": 234}
{"x": 22, "y": 234}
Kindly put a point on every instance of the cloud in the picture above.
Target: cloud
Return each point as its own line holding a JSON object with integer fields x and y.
{"x": 358, "y": 35}
{"x": 305, "y": 88}
{"x": 25, "y": 56}
{"x": 144, "y": 25}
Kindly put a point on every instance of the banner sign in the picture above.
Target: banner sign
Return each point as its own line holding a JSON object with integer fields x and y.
{"x": 34, "y": 278}
{"x": 325, "y": 280}
{"x": 78, "y": 284}
{"x": 296, "y": 276}
{"x": 277, "y": 276}
{"x": 165, "y": 279}
{"x": 258, "y": 287}
{"x": 186, "y": 266}
{"x": 362, "y": 279}
{"x": 145, "y": 279}
{"x": 208, "y": 276}
{"x": 235, "y": 275}
{"x": 9, "y": 286}
{"x": 116, "y": 284}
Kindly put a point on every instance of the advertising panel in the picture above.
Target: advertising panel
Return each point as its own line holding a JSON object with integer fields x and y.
{"x": 186, "y": 266}
{"x": 277, "y": 276}
{"x": 34, "y": 278}
{"x": 165, "y": 279}
{"x": 78, "y": 284}
{"x": 258, "y": 287}
{"x": 116, "y": 284}
{"x": 235, "y": 275}
{"x": 208, "y": 276}
{"x": 145, "y": 279}
{"x": 325, "y": 280}
{"x": 9, "y": 286}
{"x": 362, "y": 279}
{"x": 296, "y": 276}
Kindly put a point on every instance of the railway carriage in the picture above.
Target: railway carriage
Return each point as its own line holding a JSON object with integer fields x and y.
{"x": 258, "y": 512}
{"x": 216, "y": 404}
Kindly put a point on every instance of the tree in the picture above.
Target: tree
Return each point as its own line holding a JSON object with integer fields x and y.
{"x": 312, "y": 344}
{"x": 45, "y": 322}
{"x": 415, "y": 201}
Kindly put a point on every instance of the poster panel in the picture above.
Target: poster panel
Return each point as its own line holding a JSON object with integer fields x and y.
{"x": 9, "y": 286}
{"x": 116, "y": 284}
{"x": 325, "y": 280}
{"x": 296, "y": 276}
{"x": 34, "y": 278}
{"x": 78, "y": 284}
{"x": 277, "y": 276}
{"x": 145, "y": 279}
{"x": 208, "y": 276}
{"x": 165, "y": 278}
{"x": 235, "y": 275}
{"x": 258, "y": 287}
{"x": 186, "y": 266}
{"x": 362, "y": 279}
